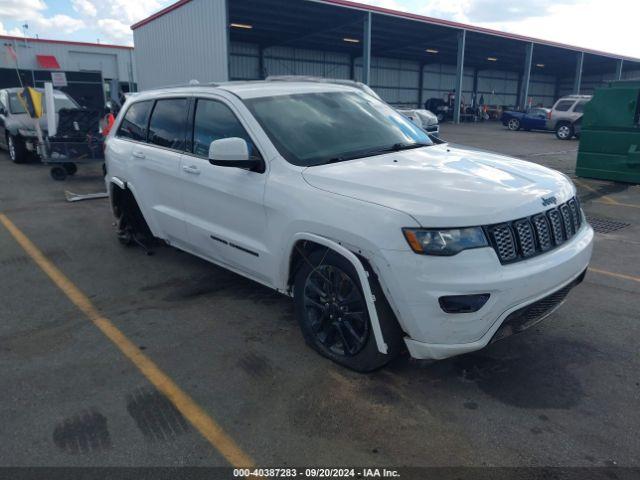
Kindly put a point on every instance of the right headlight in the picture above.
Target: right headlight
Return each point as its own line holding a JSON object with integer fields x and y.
{"x": 444, "y": 242}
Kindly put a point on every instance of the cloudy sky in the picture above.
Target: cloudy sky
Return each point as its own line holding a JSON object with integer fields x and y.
{"x": 609, "y": 25}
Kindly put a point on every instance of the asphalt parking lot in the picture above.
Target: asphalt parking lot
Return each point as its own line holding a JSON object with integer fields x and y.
{"x": 99, "y": 385}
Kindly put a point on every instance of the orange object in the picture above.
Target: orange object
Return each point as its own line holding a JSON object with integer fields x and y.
{"x": 107, "y": 128}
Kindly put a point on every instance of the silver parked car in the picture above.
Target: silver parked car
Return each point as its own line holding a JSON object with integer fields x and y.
{"x": 564, "y": 113}
{"x": 423, "y": 119}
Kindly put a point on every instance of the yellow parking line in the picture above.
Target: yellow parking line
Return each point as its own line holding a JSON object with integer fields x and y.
{"x": 605, "y": 198}
{"x": 618, "y": 204}
{"x": 206, "y": 425}
{"x": 615, "y": 275}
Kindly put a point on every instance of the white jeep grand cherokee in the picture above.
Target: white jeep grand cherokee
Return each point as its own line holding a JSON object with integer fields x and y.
{"x": 385, "y": 238}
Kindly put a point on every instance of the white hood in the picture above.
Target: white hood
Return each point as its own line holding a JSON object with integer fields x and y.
{"x": 442, "y": 186}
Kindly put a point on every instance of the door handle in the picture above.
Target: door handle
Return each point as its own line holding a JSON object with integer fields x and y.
{"x": 192, "y": 169}
{"x": 138, "y": 155}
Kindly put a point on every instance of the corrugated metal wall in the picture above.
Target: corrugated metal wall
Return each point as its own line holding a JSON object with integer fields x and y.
{"x": 193, "y": 38}
{"x": 591, "y": 82}
{"x": 397, "y": 81}
{"x": 439, "y": 80}
{"x": 542, "y": 89}
{"x": 498, "y": 87}
{"x": 112, "y": 62}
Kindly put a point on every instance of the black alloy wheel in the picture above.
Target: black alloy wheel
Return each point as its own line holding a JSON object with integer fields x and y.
{"x": 336, "y": 311}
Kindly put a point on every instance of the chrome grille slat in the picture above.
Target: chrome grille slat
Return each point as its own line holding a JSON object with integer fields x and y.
{"x": 525, "y": 238}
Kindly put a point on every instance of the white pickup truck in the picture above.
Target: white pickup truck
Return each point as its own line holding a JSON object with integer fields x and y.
{"x": 386, "y": 240}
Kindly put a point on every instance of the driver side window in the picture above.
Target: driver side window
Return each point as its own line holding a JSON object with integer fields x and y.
{"x": 214, "y": 121}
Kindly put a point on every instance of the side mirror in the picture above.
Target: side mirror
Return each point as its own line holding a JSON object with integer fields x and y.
{"x": 231, "y": 152}
{"x": 2, "y": 110}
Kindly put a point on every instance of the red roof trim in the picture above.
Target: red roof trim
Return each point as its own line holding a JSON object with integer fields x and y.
{"x": 49, "y": 62}
{"x": 63, "y": 42}
{"x": 419, "y": 18}
{"x": 159, "y": 14}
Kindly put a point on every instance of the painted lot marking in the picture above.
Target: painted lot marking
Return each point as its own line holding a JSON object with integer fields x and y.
{"x": 615, "y": 275}
{"x": 206, "y": 425}
{"x": 604, "y": 198}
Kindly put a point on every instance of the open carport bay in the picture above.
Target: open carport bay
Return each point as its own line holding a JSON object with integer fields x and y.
{"x": 563, "y": 394}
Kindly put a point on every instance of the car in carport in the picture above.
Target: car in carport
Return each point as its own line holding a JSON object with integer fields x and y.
{"x": 532, "y": 119}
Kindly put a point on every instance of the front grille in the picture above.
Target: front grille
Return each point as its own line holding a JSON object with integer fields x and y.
{"x": 525, "y": 238}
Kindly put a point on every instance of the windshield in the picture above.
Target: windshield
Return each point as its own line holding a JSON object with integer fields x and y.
{"x": 318, "y": 128}
{"x": 15, "y": 105}
{"x": 60, "y": 99}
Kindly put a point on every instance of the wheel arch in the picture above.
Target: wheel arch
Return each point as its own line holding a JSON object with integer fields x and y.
{"x": 304, "y": 243}
{"x": 122, "y": 195}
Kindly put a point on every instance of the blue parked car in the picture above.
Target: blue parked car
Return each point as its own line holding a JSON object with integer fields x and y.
{"x": 533, "y": 119}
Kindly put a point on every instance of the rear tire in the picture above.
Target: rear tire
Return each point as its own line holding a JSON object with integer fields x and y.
{"x": 17, "y": 149}
{"x": 564, "y": 131}
{"x": 70, "y": 168}
{"x": 59, "y": 174}
{"x": 333, "y": 317}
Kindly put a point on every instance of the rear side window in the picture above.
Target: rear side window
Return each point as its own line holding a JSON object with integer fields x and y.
{"x": 168, "y": 123}
{"x": 134, "y": 124}
{"x": 564, "y": 106}
{"x": 214, "y": 121}
{"x": 579, "y": 108}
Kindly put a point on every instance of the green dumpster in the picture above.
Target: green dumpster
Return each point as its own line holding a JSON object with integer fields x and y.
{"x": 610, "y": 136}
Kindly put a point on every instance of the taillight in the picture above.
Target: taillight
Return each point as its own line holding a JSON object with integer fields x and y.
{"x": 549, "y": 115}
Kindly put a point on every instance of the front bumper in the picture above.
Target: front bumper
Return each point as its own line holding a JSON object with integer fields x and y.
{"x": 415, "y": 283}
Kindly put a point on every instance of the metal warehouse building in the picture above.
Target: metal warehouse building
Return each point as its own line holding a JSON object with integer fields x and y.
{"x": 89, "y": 68}
{"x": 406, "y": 58}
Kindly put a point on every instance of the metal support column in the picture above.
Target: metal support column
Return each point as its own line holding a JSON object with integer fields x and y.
{"x": 261, "y": 73}
{"x": 619, "y": 67}
{"x": 526, "y": 77}
{"x": 366, "y": 49}
{"x": 474, "y": 95}
{"x": 577, "y": 84}
{"x": 421, "y": 87}
{"x": 519, "y": 90}
{"x": 462, "y": 38}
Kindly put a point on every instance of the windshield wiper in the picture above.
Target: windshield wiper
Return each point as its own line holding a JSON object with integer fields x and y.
{"x": 396, "y": 147}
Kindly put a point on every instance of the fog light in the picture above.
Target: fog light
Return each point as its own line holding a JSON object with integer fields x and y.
{"x": 463, "y": 303}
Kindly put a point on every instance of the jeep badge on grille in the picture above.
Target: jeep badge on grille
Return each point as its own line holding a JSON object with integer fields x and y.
{"x": 549, "y": 201}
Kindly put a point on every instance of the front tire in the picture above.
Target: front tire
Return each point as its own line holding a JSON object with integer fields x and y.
{"x": 332, "y": 313}
{"x": 17, "y": 149}
{"x": 564, "y": 131}
{"x": 513, "y": 124}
